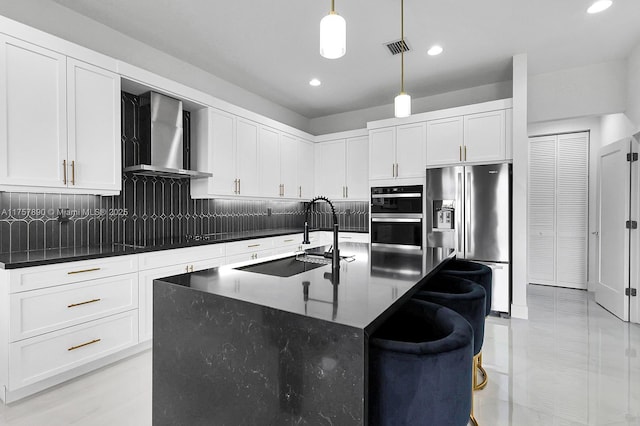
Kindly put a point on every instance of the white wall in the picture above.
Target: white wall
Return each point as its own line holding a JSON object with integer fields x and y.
{"x": 55, "y": 19}
{"x": 633, "y": 87}
{"x": 578, "y": 92}
{"x": 519, "y": 245}
{"x": 358, "y": 119}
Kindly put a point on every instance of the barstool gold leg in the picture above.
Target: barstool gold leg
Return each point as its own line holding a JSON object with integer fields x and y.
{"x": 478, "y": 366}
{"x": 474, "y": 381}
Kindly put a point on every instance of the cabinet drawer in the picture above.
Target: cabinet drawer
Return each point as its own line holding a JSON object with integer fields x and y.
{"x": 292, "y": 240}
{"x": 249, "y": 258}
{"x": 64, "y": 273}
{"x": 185, "y": 255}
{"x": 249, "y": 246}
{"x": 41, "y": 311}
{"x": 35, "y": 359}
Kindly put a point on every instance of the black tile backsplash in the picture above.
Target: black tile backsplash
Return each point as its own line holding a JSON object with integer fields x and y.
{"x": 149, "y": 209}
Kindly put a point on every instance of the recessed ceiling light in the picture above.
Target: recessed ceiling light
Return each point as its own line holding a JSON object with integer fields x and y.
{"x": 599, "y": 6}
{"x": 315, "y": 82}
{"x": 435, "y": 50}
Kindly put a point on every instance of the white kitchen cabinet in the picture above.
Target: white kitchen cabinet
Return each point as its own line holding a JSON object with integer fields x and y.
{"x": 145, "y": 286}
{"x": 305, "y": 164}
{"x": 269, "y": 163}
{"x": 33, "y": 115}
{"x": 59, "y": 318}
{"x": 247, "y": 158}
{"x": 472, "y": 138}
{"x": 342, "y": 168}
{"x": 445, "y": 138}
{"x": 289, "y": 178}
{"x": 397, "y": 152}
{"x": 382, "y": 155}
{"x": 484, "y": 137}
{"x": 59, "y": 122}
{"x": 93, "y": 107}
{"x": 330, "y": 169}
{"x": 357, "y": 169}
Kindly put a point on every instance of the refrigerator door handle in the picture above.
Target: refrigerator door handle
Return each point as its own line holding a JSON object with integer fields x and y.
{"x": 467, "y": 213}
{"x": 459, "y": 217}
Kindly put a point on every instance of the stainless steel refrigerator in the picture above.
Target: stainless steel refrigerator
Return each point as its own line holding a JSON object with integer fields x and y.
{"x": 469, "y": 208}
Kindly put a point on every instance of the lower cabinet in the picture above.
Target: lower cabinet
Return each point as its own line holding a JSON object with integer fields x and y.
{"x": 41, "y": 357}
{"x": 145, "y": 288}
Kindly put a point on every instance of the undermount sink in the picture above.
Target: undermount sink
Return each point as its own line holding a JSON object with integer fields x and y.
{"x": 286, "y": 267}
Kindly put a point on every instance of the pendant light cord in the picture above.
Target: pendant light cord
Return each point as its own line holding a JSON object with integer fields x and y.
{"x": 401, "y": 46}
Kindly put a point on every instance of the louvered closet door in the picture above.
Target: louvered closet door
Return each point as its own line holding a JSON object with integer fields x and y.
{"x": 572, "y": 210}
{"x": 558, "y": 209}
{"x": 542, "y": 209}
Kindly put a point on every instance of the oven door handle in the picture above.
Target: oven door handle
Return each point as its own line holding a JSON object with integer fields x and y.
{"x": 396, "y": 220}
{"x": 403, "y": 195}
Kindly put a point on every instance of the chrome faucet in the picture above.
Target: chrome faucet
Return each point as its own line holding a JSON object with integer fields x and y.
{"x": 335, "y": 258}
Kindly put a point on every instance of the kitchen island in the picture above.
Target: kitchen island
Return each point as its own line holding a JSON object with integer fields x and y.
{"x": 236, "y": 346}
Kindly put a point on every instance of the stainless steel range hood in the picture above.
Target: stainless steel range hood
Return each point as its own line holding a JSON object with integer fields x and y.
{"x": 161, "y": 150}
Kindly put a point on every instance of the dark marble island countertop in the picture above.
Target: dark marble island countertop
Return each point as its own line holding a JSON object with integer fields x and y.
{"x": 370, "y": 281}
{"x": 23, "y": 259}
{"x": 237, "y": 347}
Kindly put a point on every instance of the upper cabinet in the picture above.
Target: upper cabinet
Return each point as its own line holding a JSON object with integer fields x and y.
{"x": 248, "y": 159}
{"x": 59, "y": 122}
{"x": 397, "y": 152}
{"x": 347, "y": 177}
{"x": 93, "y": 110}
{"x": 472, "y": 138}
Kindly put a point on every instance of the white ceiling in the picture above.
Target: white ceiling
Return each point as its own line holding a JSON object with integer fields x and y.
{"x": 270, "y": 47}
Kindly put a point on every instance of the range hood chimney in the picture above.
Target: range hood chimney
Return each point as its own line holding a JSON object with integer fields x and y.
{"x": 161, "y": 145}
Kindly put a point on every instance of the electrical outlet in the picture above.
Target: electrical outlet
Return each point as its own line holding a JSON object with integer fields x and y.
{"x": 63, "y": 215}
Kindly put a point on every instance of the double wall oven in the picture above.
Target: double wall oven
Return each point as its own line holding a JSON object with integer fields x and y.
{"x": 396, "y": 217}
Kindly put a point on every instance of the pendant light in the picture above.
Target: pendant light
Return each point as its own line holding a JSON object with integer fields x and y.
{"x": 402, "y": 102}
{"x": 333, "y": 35}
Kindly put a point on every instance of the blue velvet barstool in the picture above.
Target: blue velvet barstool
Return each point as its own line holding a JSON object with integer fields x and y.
{"x": 467, "y": 299}
{"x": 419, "y": 368}
{"x": 480, "y": 274}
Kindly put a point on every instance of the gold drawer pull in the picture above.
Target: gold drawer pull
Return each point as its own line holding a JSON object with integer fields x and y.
{"x": 73, "y": 305}
{"x": 84, "y": 270}
{"x": 254, "y": 245}
{"x": 287, "y": 241}
{"x": 73, "y": 348}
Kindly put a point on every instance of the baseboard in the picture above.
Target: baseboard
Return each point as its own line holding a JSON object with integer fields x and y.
{"x": 520, "y": 311}
{"x": 13, "y": 396}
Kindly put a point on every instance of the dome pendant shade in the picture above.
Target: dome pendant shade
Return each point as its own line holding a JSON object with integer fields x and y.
{"x": 402, "y": 104}
{"x": 333, "y": 36}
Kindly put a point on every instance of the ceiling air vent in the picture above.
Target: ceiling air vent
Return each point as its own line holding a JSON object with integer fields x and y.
{"x": 397, "y": 47}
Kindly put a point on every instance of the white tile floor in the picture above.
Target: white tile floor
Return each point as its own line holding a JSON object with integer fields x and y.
{"x": 571, "y": 363}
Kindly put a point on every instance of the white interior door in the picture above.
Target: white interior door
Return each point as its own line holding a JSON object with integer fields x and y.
{"x": 572, "y": 210}
{"x": 542, "y": 210}
{"x": 634, "y": 262}
{"x": 614, "y": 188}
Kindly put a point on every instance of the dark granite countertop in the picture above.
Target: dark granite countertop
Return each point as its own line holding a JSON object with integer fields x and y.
{"x": 23, "y": 259}
{"x": 368, "y": 286}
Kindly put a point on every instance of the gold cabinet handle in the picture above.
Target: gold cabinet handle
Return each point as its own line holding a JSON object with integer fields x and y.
{"x": 73, "y": 172}
{"x": 239, "y": 187}
{"x": 73, "y": 348}
{"x": 393, "y": 169}
{"x": 73, "y": 305}
{"x": 83, "y": 271}
{"x": 287, "y": 241}
{"x": 254, "y": 245}
{"x": 347, "y": 190}
{"x": 465, "y": 153}
{"x": 460, "y": 154}
{"x": 300, "y": 191}
{"x": 191, "y": 268}
{"x": 64, "y": 171}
